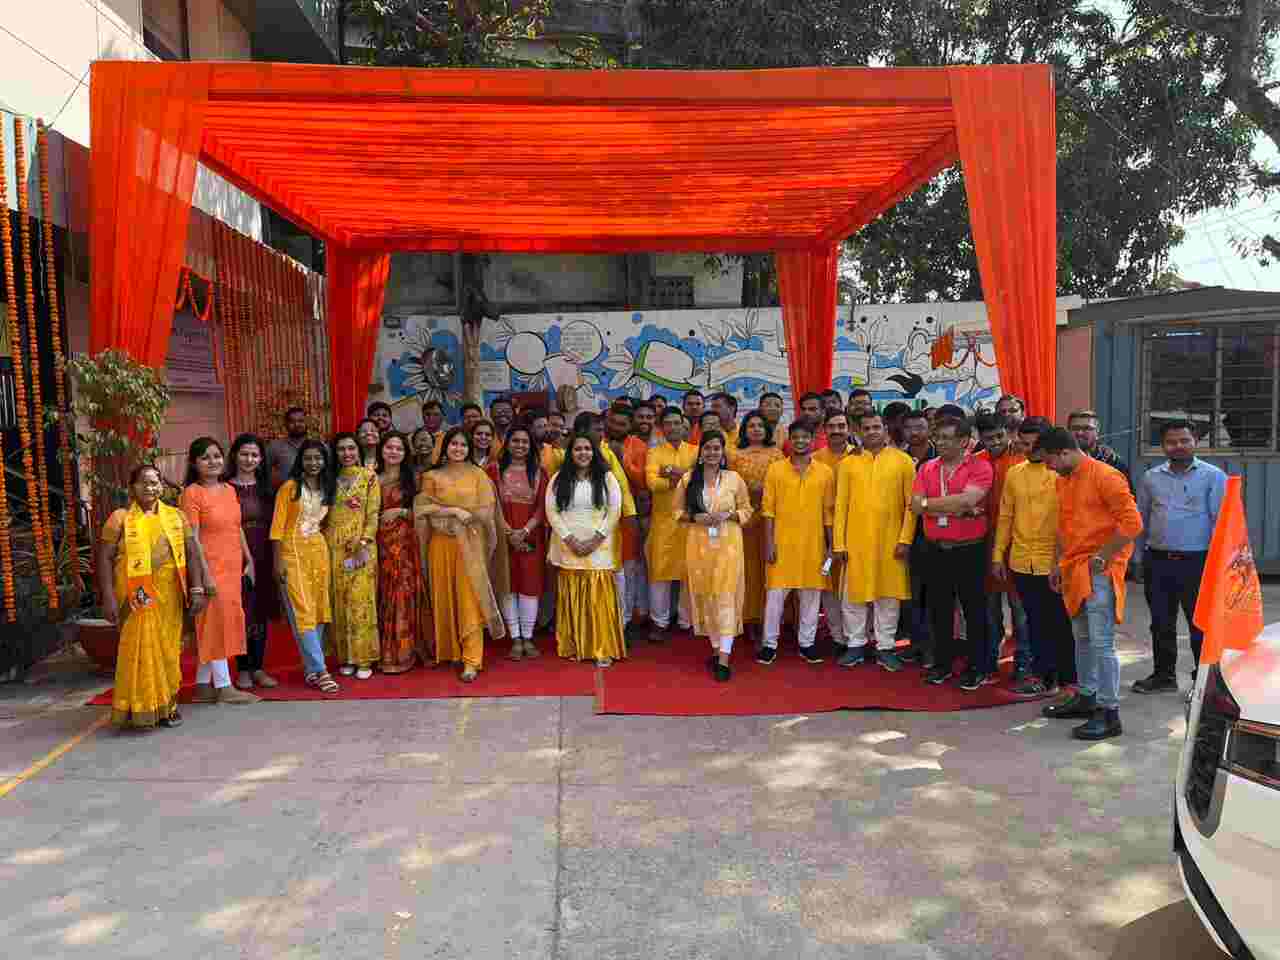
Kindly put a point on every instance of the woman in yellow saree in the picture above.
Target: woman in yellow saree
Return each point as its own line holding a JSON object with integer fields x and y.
{"x": 715, "y": 504}
{"x": 756, "y": 451}
{"x": 147, "y": 565}
{"x": 458, "y": 525}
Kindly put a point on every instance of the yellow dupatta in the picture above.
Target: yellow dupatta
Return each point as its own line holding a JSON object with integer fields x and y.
{"x": 478, "y": 539}
{"x": 137, "y": 552}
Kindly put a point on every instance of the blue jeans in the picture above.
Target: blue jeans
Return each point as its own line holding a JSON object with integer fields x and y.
{"x": 310, "y": 642}
{"x": 995, "y": 626}
{"x": 1095, "y": 630}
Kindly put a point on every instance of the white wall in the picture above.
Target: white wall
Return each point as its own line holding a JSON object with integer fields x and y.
{"x": 46, "y": 47}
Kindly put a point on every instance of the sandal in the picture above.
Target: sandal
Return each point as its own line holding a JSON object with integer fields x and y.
{"x": 531, "y": 652}
{"x": 264, "y": 679}
{"x": 323, "y": 682}
{"x": 347, "y": 669}
{"x": 517, "y": 650}
{"x": 468, "y": 675}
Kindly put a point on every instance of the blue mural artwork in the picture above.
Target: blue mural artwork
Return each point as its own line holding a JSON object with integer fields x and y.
{"x": 888, "y": 349}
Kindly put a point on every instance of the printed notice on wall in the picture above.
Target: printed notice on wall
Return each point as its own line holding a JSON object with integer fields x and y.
{"x": 191, "y": 365}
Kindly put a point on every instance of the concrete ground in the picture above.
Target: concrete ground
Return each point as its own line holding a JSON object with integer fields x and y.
{"x": 534, "y": 828}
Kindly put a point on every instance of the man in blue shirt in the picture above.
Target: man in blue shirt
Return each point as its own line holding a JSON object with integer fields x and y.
{"x": 1179, "y": 501}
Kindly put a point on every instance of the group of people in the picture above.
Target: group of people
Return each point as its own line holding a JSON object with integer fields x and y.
{"x": 382, "y": 549}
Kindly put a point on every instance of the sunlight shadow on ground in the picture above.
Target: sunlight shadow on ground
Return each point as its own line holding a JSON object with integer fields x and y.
{"x": 1172, "y": 932}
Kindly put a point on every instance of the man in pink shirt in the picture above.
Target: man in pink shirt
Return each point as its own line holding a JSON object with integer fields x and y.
{"x": 950, "y": 494}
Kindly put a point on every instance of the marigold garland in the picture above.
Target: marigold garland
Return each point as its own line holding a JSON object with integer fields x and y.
{"x": 69, "y": 499}
{"x": 33, "y": 467}
{"x": 186, "y": 295}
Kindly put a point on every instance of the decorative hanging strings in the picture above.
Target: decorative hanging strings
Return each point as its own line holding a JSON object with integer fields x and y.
{"x": 33, "y": 465}
{"x": 11, "y": 300}
{"x": 69, "y": 498}
{"x": 187, "y": 296}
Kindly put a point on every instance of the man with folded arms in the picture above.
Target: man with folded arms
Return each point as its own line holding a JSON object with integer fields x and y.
{"x": 949, "y": 494}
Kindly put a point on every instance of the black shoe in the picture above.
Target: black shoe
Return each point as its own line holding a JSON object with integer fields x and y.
{"x": 889, "y": 661}
{"x": 657, "y": 634}
{"x": 852, "y": 657}
{"x": 1078, "y": 706}
{"x": 1156, "y": 683}
{"x": 973, "y": 679}
{"x": 1021, "y": 675}
{"x": 1031, "y": 687}
{"x": 173, "y": 720}
{"x": 938, "y": 676}
{"x": 911, "y": 654}
{"x": 713, "y": 662}
{"x": 767, "y": 655}
{"x": 722, "y": 673}
{"x": 1102, "y": 725}
{"x": 810, "y": 654}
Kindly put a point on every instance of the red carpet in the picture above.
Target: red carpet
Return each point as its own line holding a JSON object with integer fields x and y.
{"x": 667, "y": 680}
{"x": 673, "y": 681}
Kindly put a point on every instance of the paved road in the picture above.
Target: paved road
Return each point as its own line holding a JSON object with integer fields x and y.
{"x": 533, "y": 828}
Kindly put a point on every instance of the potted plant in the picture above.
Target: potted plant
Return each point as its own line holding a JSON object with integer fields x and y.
{"x": 120, "y": 406}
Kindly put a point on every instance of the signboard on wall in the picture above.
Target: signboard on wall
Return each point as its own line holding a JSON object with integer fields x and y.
{"x": 192, "y": 362}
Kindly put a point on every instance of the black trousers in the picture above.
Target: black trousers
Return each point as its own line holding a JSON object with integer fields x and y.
{"x": 951, "y": 573}
{"x": 1172, "y": 580}
{"x": 1053, "y": 645}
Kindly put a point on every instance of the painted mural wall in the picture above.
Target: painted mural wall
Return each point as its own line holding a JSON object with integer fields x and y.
{"x": 922, "y": 353}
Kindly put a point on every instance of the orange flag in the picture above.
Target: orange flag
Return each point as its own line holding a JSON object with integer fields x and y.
{"x": 1229, "y": 609}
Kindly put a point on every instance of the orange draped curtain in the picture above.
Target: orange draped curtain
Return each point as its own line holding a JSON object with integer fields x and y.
{"x": 356, "y": 286}
{"x": 1005, "y": 124}
{"x": 807, "y": 289}
{"x": 146, "y": 129}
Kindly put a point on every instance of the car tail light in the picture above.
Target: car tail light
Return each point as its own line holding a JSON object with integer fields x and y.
{"x": 1218, "y": 714}
{"x": 1255, "y": 752}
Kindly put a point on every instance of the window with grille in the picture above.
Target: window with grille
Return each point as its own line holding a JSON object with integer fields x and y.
{"x": 670, "y": 293}
{"x": 1220, "y": 376}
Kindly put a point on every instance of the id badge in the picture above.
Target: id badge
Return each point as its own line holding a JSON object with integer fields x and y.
{"x": 944, "y": 521}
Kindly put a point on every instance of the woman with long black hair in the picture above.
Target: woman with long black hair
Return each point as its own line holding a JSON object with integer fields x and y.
{"x": 247, "y": 472}
{"x": 301, "y": 556}
{"x": 584, "y": 504}
{"x": 400, "y": 637}
{"x": 521, "y": 484}
{"x": 716, "y": 504}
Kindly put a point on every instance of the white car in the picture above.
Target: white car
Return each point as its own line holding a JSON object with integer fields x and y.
{"x": 1226, "y": 832}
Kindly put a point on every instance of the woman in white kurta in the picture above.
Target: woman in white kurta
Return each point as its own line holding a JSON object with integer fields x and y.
{"x": 584, "y": 504}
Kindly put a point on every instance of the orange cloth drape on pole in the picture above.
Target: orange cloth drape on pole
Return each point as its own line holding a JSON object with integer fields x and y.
{"x": 807, "y": 289}
{"x": 146, "y": 128}
{"x": 1229, "y": 608}
{"x": 356, "y": 286}
{"x": 1005, "y": 125}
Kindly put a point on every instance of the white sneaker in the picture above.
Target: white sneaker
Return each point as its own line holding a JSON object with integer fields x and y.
{"x": 346, "y": 669}
{"x": 364, "y": 673}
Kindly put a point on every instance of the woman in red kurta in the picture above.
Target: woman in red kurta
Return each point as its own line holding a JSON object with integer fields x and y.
{"x": 521, "y": 485}
{"x": 399, "y": 577}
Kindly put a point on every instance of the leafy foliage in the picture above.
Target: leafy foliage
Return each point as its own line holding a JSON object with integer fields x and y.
{"x": 1146, "y": 134}
{"x": 445, "y": 33}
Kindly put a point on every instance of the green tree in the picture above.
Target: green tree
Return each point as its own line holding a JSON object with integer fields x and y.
{"x": 1146, "y": 133}
{"x": 444, "y": 33}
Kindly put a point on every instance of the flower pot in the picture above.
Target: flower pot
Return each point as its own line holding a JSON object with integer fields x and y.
{"x": 101, "y": 641}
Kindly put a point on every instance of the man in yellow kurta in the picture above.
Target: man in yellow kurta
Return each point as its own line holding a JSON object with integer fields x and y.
{"x": 840, "y": 446}
{"x": 664, "y": 551}
{"x": 874, "y": 527}
{"x": 799, "y": 499}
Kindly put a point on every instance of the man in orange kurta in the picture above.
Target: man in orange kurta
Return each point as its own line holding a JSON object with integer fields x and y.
{"x": 1098, "y": 521}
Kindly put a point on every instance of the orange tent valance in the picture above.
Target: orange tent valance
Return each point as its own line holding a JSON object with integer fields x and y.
{"x": 376, "y": 160}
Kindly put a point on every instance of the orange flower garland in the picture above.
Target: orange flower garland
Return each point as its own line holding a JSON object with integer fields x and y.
{"x": 69, "y": 499}
{"x": 33, "y": 467}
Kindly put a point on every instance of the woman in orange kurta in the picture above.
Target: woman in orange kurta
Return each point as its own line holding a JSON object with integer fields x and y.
{"x": 213, "y": 510}
{"x": 751, "y": 462}
{"x": 399, "y": 578}
{"x": 456, "y": 516}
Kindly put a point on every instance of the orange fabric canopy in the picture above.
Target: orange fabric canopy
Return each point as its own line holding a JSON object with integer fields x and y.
{"x": 376, "y": 160}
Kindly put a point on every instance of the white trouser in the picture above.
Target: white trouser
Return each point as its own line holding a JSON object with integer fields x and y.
{"x": 620, "y": 588}
{"x": 810, "y": 602}
{"x": 521, "y": 615}
{"x": 856, "y": 617}
{"x": 637, "y": 597}
{"x": 660, "y": 604}
{"x": 215, "y": 672}
{"x": 833, "y": 607}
